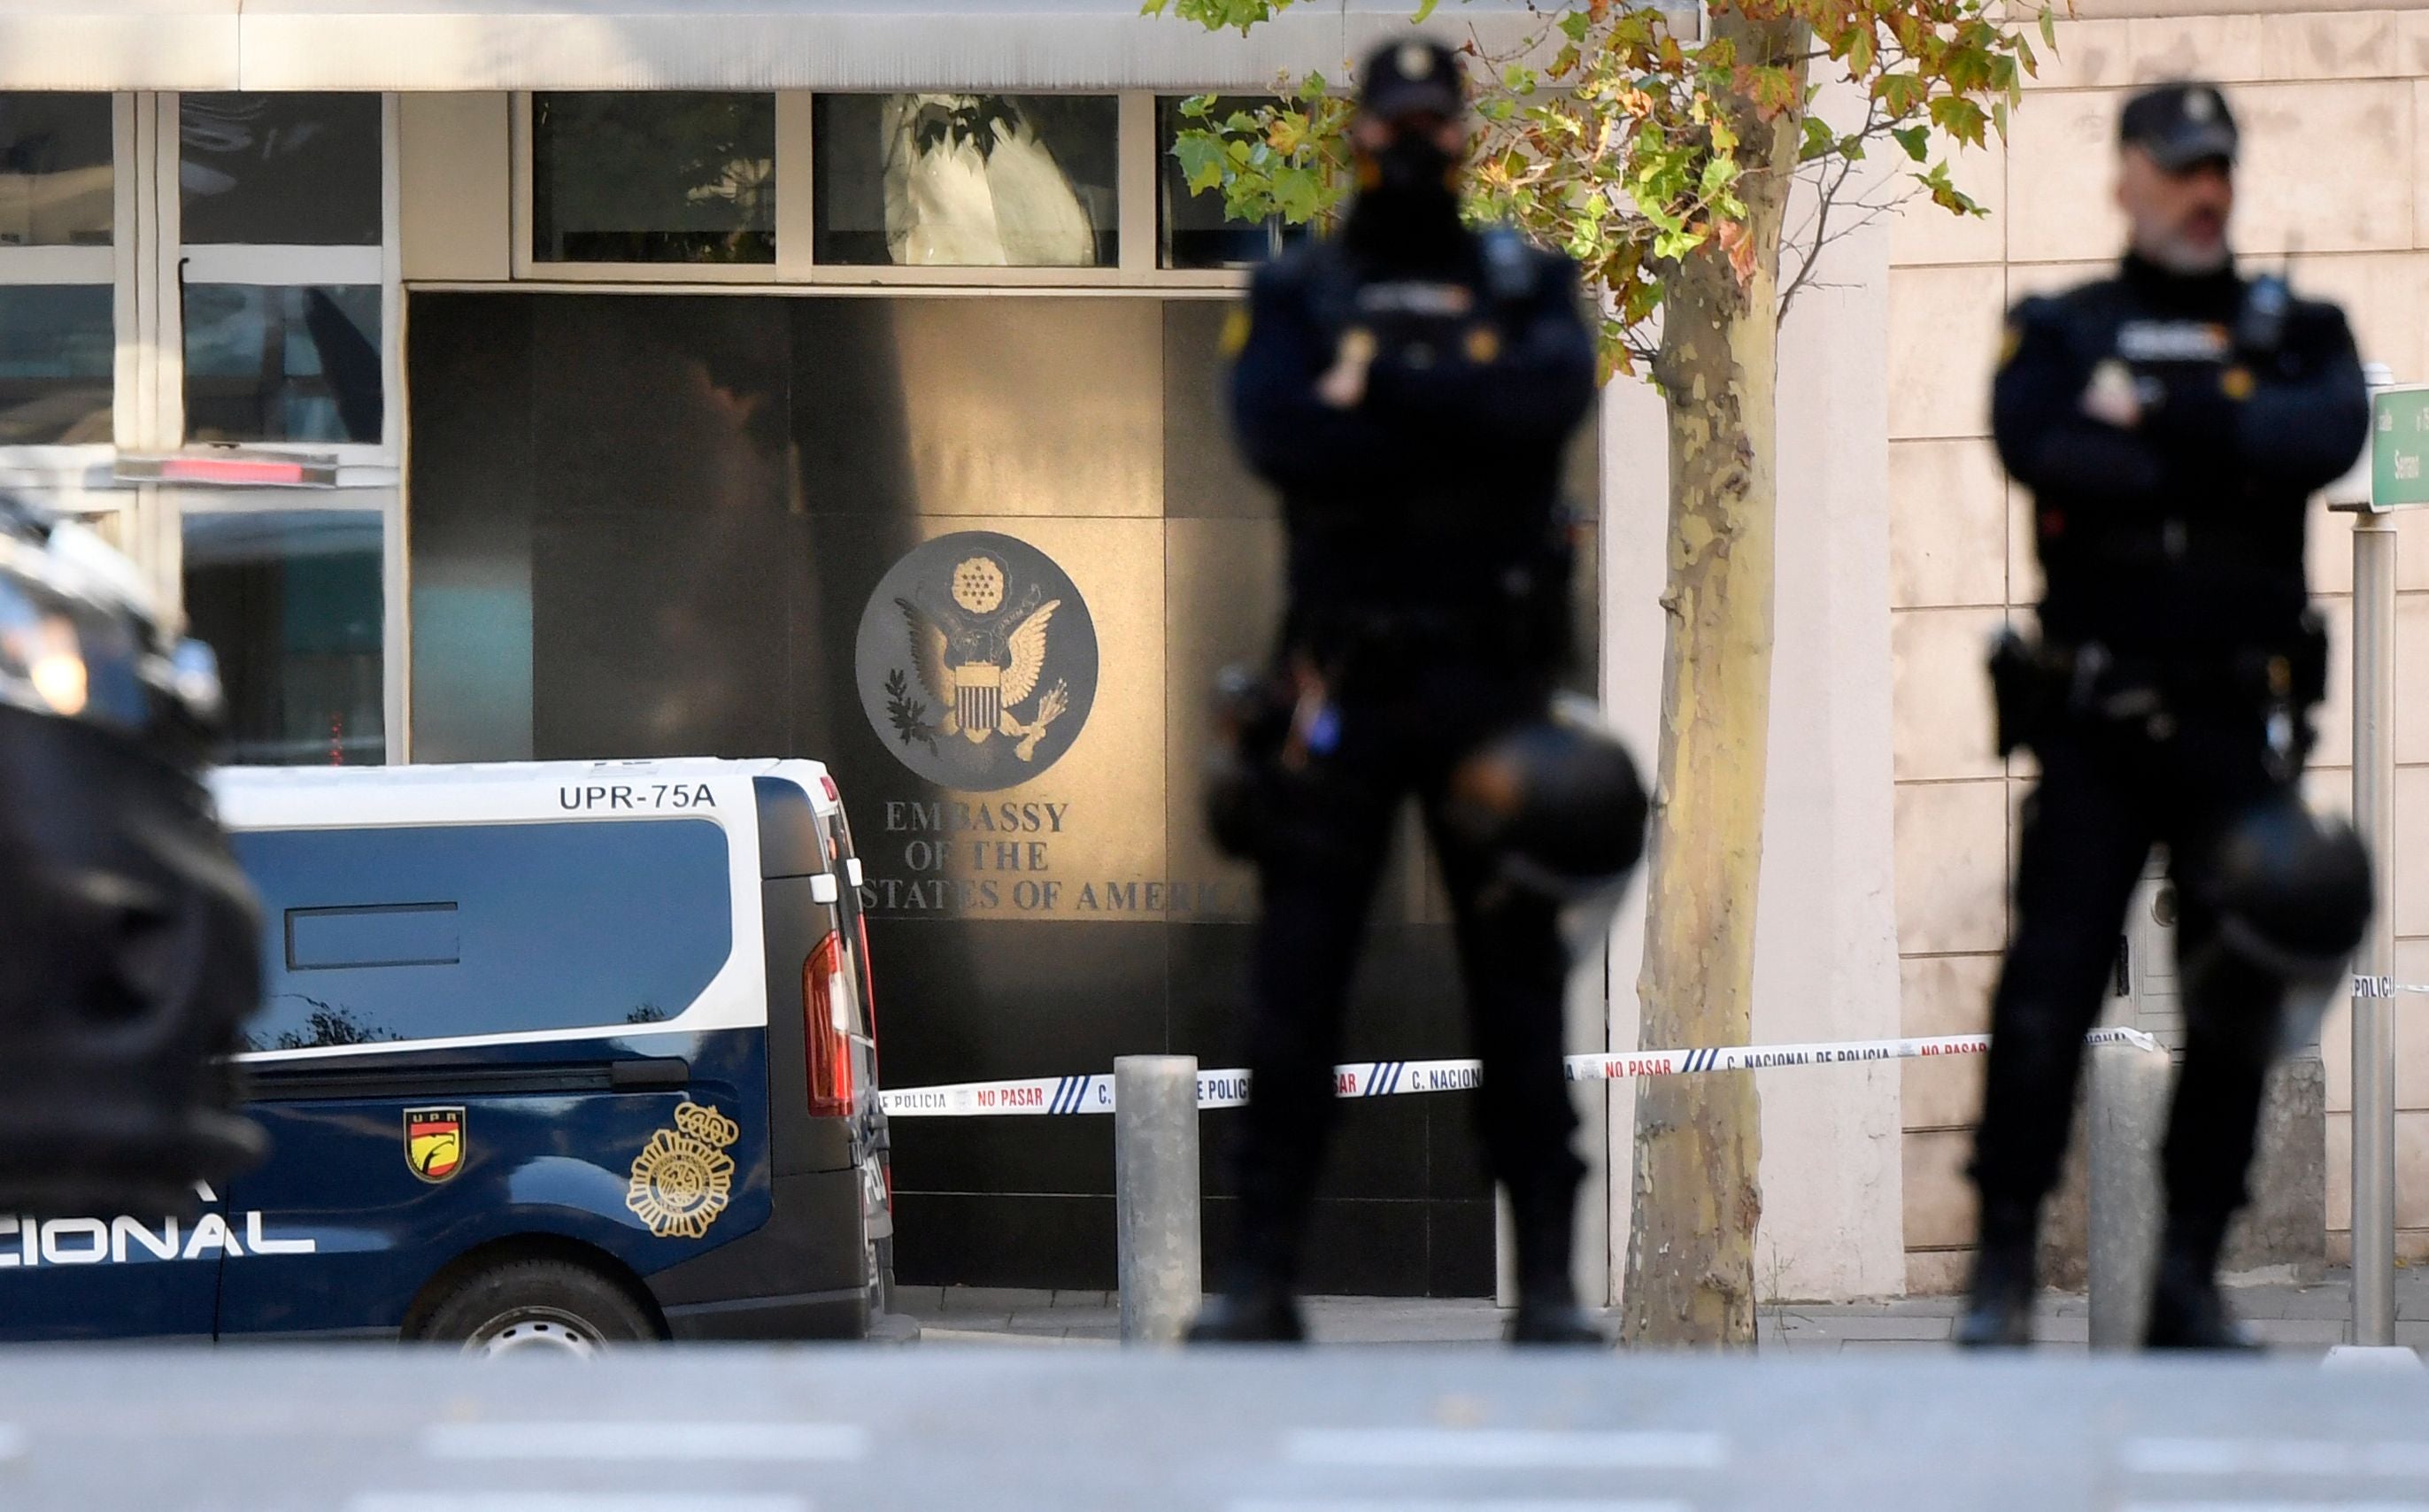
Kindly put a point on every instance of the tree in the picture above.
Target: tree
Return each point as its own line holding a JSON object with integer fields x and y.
{"x": 1662, "y": 157}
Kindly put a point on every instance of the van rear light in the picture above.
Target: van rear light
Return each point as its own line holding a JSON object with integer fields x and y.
{"x": 827, "y": 1030}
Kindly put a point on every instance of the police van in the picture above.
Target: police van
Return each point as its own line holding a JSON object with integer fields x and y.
{"x": 550, "y": 1055}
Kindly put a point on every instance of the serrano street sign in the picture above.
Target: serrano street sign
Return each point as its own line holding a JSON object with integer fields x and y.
{"x": 2399, "y": 447}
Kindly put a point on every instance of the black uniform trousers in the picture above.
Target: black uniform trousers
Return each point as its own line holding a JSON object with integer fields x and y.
{"x": 1401, "y": 732}
{"x": 2109, "y": 789}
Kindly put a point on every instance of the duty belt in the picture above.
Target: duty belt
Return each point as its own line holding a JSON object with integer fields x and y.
{"x": 2040, "y": 686}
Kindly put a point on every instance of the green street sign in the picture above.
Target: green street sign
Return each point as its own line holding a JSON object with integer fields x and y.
{"x": 2398, "y": 448}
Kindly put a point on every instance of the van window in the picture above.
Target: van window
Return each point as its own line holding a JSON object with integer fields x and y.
{"x": 374, "y": 936}
{"x": 418, "y": 934}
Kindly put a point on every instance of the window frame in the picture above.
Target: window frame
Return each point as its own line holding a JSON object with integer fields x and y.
{"x": 274, "y": 265}
{"x": 73, "y": 469}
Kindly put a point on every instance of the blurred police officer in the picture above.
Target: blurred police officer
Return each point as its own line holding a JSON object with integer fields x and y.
{"x": 2172, "y": 422}
{"x": 131, "y": 955}
{"x": 1407, "y": 385}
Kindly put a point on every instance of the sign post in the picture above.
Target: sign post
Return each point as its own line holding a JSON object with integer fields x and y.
{"x": 2399, "y": 478}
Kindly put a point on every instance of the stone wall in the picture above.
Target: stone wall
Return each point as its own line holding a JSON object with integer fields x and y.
{"x": 2334, "y": 104}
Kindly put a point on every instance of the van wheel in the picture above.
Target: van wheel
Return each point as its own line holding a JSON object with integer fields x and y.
{"x": 536, "y": 1307}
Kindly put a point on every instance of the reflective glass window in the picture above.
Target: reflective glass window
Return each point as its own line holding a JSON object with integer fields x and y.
{"x": 57, "y": 351}
{"x": 552, "y": 926}
{"x": 967, "y": 180}
{"x": 660, "y": 177}
{"x": 281, "y": 170}
{"x": 56, "y": 170}
{"x": 1192, "y": 229}
{"x": 293, "y": 602}
{"x": 272, "y": 363}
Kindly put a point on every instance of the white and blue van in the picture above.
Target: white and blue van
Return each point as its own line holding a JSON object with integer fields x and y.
{"x": 551, "y": 1055}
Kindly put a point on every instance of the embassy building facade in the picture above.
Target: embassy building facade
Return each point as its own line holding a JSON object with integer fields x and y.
{"x": 598, "y": 379}
{"x": 521, "y": 381}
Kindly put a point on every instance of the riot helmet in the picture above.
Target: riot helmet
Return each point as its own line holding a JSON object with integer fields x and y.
{"x": 1558, "y": 803}
{"x": 2292, "y": 894}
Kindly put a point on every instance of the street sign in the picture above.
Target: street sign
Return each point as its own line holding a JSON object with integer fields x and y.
{"x": 2399, "y": 447}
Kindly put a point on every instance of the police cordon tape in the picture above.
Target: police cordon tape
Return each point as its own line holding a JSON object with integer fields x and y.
{"x": 1094, "y": 1093}
{"x": 2384, "y": 986}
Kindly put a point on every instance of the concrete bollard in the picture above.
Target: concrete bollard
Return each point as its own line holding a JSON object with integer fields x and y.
{"x": 2128, "y": 1119}
{"x": 1155, "y": 1194}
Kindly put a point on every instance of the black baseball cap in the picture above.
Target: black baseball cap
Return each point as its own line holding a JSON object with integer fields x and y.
{"x": 1412, "y": 77}
{"x": 2179, "y": 126}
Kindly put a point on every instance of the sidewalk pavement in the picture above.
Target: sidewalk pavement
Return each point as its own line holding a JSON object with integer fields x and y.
{"x": 2297, "y": 1319}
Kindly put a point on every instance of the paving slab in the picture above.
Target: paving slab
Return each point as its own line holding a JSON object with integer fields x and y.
{"x": 1062, "y": 1318}
{"x": 1925, "y": 1329}
{"x": 2315, "y": 1303}
{"x": 2316, "y": 1333}
{"x": 994, "y": 1299}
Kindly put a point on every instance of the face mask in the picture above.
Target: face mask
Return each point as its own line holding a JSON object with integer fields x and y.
{"x": 1413, "y": 165}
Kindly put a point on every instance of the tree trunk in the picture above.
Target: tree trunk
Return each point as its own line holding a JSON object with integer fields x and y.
{"x": 1697, "y": 1192}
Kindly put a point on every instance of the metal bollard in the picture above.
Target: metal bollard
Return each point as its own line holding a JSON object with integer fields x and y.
{"x": 1155, "y": 1194}
{"x": 2128, "y": 1116}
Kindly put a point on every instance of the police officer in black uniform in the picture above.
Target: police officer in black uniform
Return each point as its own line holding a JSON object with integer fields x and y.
{"x": 2171, "y": 422}
{"x": 1407, "y": 385}
{"x": 131, "y": 955}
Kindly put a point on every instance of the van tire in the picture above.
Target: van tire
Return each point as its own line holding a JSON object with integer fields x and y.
{"x": 537, "y": 1306}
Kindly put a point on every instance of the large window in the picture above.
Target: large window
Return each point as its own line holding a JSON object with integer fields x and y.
{"x": 295, "y": 602}
{"x": 285, "y": 276}
{"x": 57, "y": 271}
{"x": 377, "y": 935}
{"x": 672, "y": 178}
{"x": 968, "y": 181}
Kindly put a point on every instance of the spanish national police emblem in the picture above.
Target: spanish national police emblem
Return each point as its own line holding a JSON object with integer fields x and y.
{"x": 434, "y": 1142}
{"x": 977, "y": 661}
{"x": 682, "y": 1178}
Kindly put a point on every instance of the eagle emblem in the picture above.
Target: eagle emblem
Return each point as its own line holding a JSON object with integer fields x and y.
{"x": 982, "y": 655}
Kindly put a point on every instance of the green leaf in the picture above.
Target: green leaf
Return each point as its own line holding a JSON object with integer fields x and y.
{"x": 1819, "y": 141}
{"x": 1915, "y": 140}
{"x": 1859, "y": 52}
{"x": 1201, "y": 156}
{"x": 1773, "y": 89}
{"x": 1299, "y": 192}
{"x": 2049, "y": 27}
{"x": 1900, "y": 94}
{"x": 1424, "y": 11}
{"x": 1960, "y": 118}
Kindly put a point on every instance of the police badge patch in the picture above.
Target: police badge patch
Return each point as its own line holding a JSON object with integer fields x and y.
{"x": 977, "y": 661}
{"x": 434, "y": 1142}
{"x": 682, "y": 1178}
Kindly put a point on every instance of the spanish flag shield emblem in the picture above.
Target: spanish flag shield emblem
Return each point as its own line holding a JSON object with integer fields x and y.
{"x": 434, "y": 1141}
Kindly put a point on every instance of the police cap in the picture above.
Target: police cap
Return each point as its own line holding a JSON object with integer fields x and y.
{"x": 2179, "y": 124}
{"x": 1412, "y": 77}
